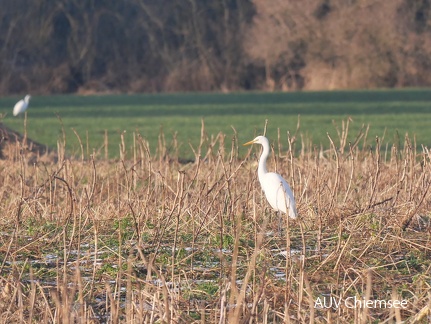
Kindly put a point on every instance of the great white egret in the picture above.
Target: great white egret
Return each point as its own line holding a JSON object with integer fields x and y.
{"x": 276, "y": 189}
{"x": 21, "y": 105}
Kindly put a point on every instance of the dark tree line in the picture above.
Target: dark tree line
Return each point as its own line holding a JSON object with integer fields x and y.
{"x": 221, "y": 45}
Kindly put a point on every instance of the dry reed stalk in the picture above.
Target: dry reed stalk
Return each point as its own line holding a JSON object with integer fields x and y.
{"x": 80, "y": 144}
{"x": 24, "y": 141}
{"x": 106, "y": 144}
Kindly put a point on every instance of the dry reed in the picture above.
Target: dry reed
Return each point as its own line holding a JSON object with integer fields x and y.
{"x": 148, "y": 239}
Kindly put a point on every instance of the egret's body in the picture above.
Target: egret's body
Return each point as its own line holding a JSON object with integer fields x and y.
{"x": 276, "y": 189}
{"x": 21, "y": 105}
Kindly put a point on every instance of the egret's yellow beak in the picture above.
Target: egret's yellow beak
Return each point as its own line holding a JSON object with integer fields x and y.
{"x": 248, "y": 143}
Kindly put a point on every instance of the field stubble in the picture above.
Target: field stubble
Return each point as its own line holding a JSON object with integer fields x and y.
{"x": 148, "y": 239}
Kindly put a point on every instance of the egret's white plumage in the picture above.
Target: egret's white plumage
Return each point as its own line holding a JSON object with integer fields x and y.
{"x": 21, "y": 105}
{"x": 276, "y": 189}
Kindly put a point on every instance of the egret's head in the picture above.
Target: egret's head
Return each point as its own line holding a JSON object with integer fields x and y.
{"x": 262, "y": 140}
{"x": 27, "y": 98}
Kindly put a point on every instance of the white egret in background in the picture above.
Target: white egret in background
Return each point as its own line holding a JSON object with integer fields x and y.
{"x": 21, "y": 105}
{"x": 276, "y": 189}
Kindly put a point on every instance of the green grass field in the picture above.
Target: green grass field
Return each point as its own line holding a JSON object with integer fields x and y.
{"x": 388, "y": 112}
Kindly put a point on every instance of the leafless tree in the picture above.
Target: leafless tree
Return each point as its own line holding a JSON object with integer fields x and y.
{"x": 190, "y": 45}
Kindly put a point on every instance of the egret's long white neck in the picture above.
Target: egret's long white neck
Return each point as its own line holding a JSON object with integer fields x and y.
{"x": 261, "y": 171}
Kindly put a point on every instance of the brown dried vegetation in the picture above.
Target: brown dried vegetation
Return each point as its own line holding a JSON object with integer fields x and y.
{"x": 147, "y": 239}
